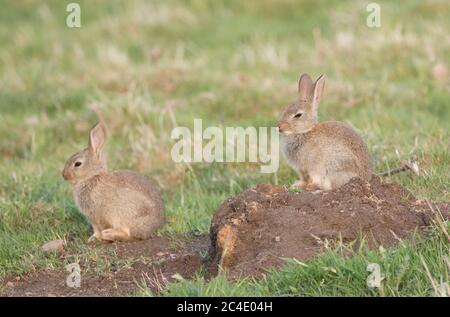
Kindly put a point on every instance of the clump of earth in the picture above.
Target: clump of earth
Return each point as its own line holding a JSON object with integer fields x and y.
{"x": 255, "y": 229}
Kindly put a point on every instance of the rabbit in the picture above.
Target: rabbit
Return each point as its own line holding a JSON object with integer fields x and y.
{"x": 120, "y": 205}
{"x": 325, "y": 155}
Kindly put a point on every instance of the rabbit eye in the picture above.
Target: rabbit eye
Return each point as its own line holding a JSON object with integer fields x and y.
{"x": 77, "y": 164}
{"x": 298, "y": 115}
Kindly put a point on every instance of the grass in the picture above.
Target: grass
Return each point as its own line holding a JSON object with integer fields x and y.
{"x": 149, "y": 66}
{"x": 403, "y": 272}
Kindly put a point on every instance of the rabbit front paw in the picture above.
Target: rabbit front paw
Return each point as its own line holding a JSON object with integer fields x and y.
{"x": 95, "y": 237}
{"x": 300, "y": 184}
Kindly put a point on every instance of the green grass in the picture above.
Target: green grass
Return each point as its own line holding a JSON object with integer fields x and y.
{"x": 147, "y": 66}
{"x": 403, "y": 272}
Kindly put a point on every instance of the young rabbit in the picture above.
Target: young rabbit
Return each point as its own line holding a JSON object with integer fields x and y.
{"x": 121, "y": 205}
{"x": 325, "y": 155}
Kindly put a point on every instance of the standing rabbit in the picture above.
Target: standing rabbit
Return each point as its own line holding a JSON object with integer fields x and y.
{"x": 325, "y": 155}
{"x": 121, "y": 205}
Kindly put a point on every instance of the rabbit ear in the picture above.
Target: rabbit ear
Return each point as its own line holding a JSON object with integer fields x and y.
{"x": 318, "y": 91}
{"x": 305, "y": 87}
{"x": 97, "y": 138}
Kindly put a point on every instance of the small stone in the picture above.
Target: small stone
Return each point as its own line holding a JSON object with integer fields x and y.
{"x": 53, "y": 246}
{"x": 277, "y": 239}
{"x": 160, "y": 254}
{"x": 10, "y": 284}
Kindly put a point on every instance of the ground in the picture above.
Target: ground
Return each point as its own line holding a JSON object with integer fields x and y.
{"x": 148, "y": 66}
{"x": 260, "y": 227}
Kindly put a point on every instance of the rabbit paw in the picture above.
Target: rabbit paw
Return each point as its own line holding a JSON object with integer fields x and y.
{"x": 93, "y": 238}
{"x": 115, "y": 235}
{"x": 300, "y": 184}
{"x": 314, "y": 188}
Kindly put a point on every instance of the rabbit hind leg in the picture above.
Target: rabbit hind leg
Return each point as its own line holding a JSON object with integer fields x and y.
{"x": 339, "y": 179}
{"x": 116, "y": 234}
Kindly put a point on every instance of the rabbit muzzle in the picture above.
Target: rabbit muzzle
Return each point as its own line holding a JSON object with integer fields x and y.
{"x": 283, "y": 128}
{"x": 65, "y": 175}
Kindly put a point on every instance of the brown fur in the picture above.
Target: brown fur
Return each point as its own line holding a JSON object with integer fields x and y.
{"x": 325, "y": 155}
{"x": 121, "y": 205}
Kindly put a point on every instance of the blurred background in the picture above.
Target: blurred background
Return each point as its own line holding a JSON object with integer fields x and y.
{"x": 148, "y": 66}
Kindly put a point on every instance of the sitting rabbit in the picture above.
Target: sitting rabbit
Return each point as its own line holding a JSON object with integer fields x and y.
{"x": 121, "y": 205}
{"x": 325, "y": 155}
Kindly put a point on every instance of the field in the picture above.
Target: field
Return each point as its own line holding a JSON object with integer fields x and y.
{"x": 146, "y": 67}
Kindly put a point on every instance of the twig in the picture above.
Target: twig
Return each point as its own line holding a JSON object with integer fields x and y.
{"x": 410, "y": 165}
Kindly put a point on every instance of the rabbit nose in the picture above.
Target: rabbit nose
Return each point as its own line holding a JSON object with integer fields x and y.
{"x": 280, "y": 129}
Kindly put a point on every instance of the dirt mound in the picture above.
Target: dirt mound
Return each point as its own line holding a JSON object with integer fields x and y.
{"x": 252, "y": 230}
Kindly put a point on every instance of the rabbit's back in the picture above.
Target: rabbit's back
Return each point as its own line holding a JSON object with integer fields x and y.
{"x": 136, "y": 182}
{"x": 338, "y": 148}
{"x": 142, "y": 194}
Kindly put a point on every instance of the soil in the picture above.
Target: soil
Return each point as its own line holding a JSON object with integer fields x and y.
{"x": 152, "y": 262}
{"x": 252, "y": 231}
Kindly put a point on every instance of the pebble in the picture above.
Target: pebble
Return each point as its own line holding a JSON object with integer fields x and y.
{"x": 53, "y": 246}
